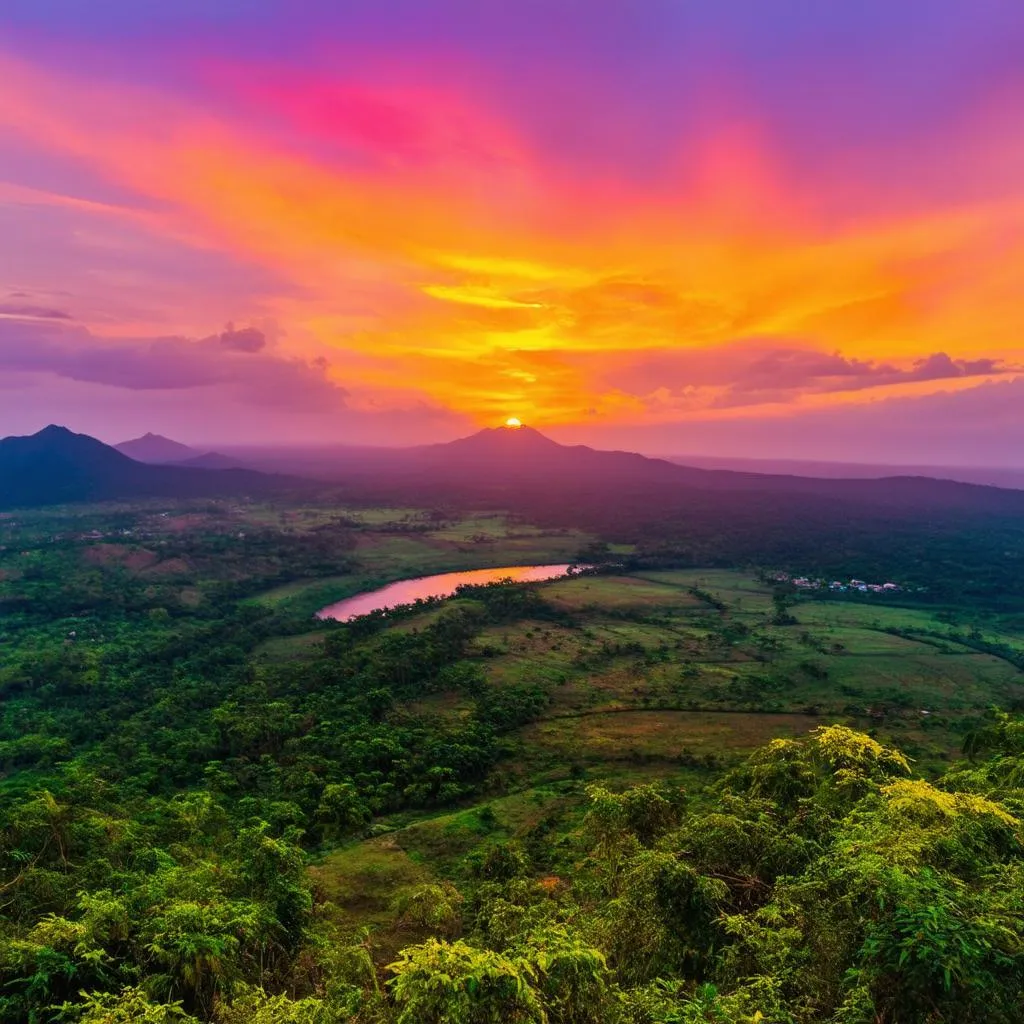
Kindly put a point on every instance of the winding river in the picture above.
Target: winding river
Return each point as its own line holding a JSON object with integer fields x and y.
{"x": 443, "y": 585}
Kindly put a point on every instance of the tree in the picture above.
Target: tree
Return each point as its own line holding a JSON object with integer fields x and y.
{"x": 435, "y": 908}
{"x": 455, "y": 983}
{"x": 782, "y": 600}
{"x": 617, "y": 823}
{"x": 572, "y": 977}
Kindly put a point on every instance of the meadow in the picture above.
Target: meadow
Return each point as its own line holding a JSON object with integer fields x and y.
{"x": 646, "y": 668}
{"x": 672, "y": 678}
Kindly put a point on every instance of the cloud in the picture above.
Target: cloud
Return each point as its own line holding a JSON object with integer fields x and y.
{"x": 513, "y": 245}
{"x": 235, "y": 360}
{"x": 977, "y": 426}
{"x": 26, "y": 311}
{"x": 248, "y": 339}
{"x": 941, "y": 367}
{"x": 755, "y": 371}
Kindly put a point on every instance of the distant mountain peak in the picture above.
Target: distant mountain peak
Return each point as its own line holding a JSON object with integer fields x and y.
{"x": 506, "y": 438}
{"x": 57, "y": 466}
{"x": 156, "y": 448}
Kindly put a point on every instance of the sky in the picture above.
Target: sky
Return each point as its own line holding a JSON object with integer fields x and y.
{"x": 778, "y": 228}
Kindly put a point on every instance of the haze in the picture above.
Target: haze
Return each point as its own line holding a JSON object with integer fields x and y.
{"x": 743, "y": 228}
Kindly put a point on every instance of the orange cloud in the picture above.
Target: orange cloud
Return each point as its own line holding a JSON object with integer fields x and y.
{"x": 423, "y": 246}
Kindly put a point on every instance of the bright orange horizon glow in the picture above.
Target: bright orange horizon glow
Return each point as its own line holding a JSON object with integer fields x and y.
{"x": 419, "y": 242}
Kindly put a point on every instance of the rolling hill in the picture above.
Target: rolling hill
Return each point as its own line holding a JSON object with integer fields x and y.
{"x": 56, "y": 466}
{"x": 504, "y": 461}
{"x": 508, "y": 467}
{"x": 157, "y": 449}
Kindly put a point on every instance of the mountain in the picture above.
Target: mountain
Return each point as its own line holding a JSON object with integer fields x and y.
{"x": 156, "y": 449}
{"x": 510, "y": 465}
{"x": 524, "y": 454}
{"x": 503, "y": 442}
{"x": 522, "y": 468}
{"x": 990, "y": 476}
{"x": 162, "y": 451}
{"x": 56, "y": 466}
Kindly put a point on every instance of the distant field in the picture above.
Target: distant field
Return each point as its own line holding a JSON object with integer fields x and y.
{"x": 649, "y": 644}
{"x": 685, "y": 668}
{"x": 617, "y": 592}
{"x": 649, "y": 681}
{"x": 629, "y": 735}
{"x": 646, "y": 671}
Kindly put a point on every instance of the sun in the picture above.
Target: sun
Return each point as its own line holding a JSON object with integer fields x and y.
{"x": 513, "y": 423}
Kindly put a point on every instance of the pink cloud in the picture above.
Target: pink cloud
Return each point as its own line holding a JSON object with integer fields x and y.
{"x": 758, "y": 370}
{"x": 235, "y": 360}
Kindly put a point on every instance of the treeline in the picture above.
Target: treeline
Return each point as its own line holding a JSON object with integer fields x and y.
{"x": 957, "y": 555}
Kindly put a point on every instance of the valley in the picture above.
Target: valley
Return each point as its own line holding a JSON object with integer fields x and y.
{"x": 511, "y": 513}
{"x": 454, "y": 777}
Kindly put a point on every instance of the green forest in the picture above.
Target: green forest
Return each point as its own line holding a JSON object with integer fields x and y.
{"x": 656, "y": 792}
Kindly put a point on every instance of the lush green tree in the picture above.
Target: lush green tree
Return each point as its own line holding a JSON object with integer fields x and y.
{"x": 129, "y": 1006}
{"x": 572, "y": 977}
{"x": 342, "y": 811}
{"x": 454, "y": 983}
{"x": 435, "y": 908}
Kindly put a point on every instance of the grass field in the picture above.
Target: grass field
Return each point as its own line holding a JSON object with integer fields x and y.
{"x": 634, "y": 735}
{"x": 395, "y": 544}
{"x": 647, "y": 670}
{"x": 654, "y": 644}
{"x": 668, "y": 676}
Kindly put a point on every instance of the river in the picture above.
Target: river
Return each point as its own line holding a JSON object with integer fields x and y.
{"x": 443, "y": 585}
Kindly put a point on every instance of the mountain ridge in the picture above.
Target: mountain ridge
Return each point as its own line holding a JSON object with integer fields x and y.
{"x": 156, "y": 449}
{"x": 57, "y": 466}
{"x": 534, "y": 454}
{"x": 494, "y": 464}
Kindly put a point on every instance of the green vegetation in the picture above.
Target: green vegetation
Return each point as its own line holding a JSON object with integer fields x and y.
{"x": 651, "y": 795}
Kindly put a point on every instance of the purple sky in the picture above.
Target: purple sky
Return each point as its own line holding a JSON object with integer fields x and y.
{"x": 741, "y": 227}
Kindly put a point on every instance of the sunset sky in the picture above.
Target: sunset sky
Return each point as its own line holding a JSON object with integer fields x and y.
{"x": 738, "y": 227}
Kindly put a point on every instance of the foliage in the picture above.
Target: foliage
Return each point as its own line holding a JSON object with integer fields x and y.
{"x": 453, "y": 983}
{"x": 166, "y": 783}
{"x": 130, "y": 1006}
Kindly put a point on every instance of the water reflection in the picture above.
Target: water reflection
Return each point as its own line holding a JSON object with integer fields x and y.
{"x": 442, "y": 585}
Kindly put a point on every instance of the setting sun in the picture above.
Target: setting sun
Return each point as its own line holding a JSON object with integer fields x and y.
{"x": 513, "y": 422}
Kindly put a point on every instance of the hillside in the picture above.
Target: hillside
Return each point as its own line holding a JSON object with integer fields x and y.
{"x": 156, "y": 448}
{"x": 534, "y": 473}
{"x": 988, "y": 476}
{"x": 212, "y": 460}
{"x": 56, "y": 466}
{"x": 638, "y": 797}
